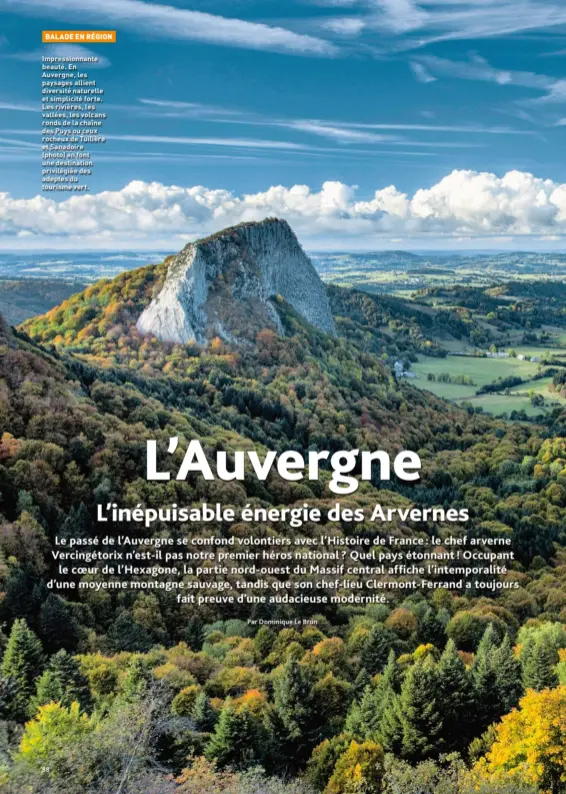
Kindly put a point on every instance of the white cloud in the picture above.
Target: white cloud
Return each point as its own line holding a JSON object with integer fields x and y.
{"x": 463, "y": 204}
{"x": 336, "y": 132}
{"x": 16, "y": 142}
{"x": 479, "y": 69}
{"x": 556, "y": 94}
{"x": 421, "y": 73}
{"x": 401, "y": 16}
{"x": 465, "y": 128}
{"x": 413, "y": 24}
{"x": 492, "y": 18}
{"x": 178, "y": 23}
{"x": 21, "y": 106}
{"x": 238, "y": 143}
{"x": 345, "y": 26}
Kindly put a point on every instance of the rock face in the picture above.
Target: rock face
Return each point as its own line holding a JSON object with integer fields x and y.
{"x": 221, "y": 286}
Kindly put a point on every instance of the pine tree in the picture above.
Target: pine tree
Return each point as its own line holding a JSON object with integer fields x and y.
{"x": 508, "y": 675}
{"x": 49, "y": 690}
{"x": 421, "y": 712}
{"x": 236, "y": 741}
{"x": 363, "y": 680}
{"x": 538, "y": 666}
{"x": 18, "y": 600}
{"x": 127, "y": 635}
{"x": 263, "y": 643}
{"x": 431, "y": 630}
{"x": 58, "y": 626}
{"x": 365, "y": 720}
{"x": 294, "y": 711}
{"x": 63, "y": 683}
{"x": 361, "y": 720}
{"x": 138, "y": 679}
{"x": 195, "y": 633}
{"x": 487, "y": 707}
{"x": 455, "y": 688}
{"x": 280, "y": 756}
{"x": 22, "y": 664}
{"x": 223, "y": 746}
{"x": 77, "y": 524}
{"x": 389, "y": 730}
{"x": 292, "y": 698}
{"x": 203, "y": 714}
{"x": 390, "y": 678}
{"x": 375, "y": 651}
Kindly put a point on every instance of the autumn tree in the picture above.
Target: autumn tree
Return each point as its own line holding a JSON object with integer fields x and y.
{"x": 359, "y": 769}
{"x": 531, "y": 743}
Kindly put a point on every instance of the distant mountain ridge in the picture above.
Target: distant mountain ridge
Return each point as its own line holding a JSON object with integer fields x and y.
{"x": 222, "y": 285}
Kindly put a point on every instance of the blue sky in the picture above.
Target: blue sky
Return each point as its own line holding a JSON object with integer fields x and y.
{"x": 245, "y": 96}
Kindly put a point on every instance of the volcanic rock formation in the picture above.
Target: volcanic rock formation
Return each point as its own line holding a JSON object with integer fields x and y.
{"x": 222, "y": 285}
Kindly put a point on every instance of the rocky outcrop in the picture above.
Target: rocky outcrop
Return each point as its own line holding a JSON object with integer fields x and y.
{"x": 222, "y": 285}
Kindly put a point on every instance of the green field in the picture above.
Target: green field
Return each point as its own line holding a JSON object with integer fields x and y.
{"x": 498, "y": 404}
{"x": 487, "y": 370}
{"x": 481, "y": 370}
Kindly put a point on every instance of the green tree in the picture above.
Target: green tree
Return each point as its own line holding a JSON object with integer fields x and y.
{"x": 236, "y": 741}
{"x": 508, "y": 676}
{"x": 377, "y": 713}
{"x": 195, "y": 633}
{"x": 58, "y": 627}
{"x": 22, "y": 663}
{"x": 421, "y": 711}
{"x": 487, "y": 707}
{"x": 62, "y": 682}
{"x": 539, "y": 659}
{"x": 77, "y": 524}
{"x": 389, "y": 730}
{"x": 331, "y": 697}
{"x": 455, "y": 688}
{"x": 127, "y": 635}
{"x": 466, "y": 629}
{"x": 431, "y": 630}
{"x": 375, "y": 651}
{"x": 263, "y": 643}
{"x": 363, "y": 680}
{"x": 138, "y": 679}
{"x": 292, "y": 698}
{"x": 293, "y": 724}
{"x": 203, "y": 714}
{"x": 361, "y": 720}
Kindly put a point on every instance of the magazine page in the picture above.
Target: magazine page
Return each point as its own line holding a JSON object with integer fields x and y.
{"x": 282, "y": 397}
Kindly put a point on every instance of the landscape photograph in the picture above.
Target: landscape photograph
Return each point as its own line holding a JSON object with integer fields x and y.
{"x": 283, "y": 402}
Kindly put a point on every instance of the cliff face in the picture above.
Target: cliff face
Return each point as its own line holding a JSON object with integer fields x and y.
{"x": 221, "y": 285}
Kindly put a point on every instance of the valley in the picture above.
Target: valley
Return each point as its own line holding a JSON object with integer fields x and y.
{"x": 456, "y": 323}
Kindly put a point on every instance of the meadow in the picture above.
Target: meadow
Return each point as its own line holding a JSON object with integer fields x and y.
{"x": 483, "y": 371}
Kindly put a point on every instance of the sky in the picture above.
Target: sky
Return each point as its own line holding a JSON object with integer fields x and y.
{"x": 366, "y": 123}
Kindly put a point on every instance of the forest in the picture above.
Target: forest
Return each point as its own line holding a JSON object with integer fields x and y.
{"x": 130, "y": 691}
